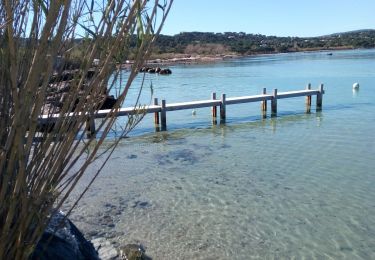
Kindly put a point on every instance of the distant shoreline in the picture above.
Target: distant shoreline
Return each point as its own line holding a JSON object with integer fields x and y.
{"x": 178, "y": 59}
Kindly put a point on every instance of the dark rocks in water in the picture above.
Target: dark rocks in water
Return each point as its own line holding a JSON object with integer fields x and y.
{"x": 346, "y": 248}
{"x": 133, "y": 252}
{"x": 259, "y": 193}
{"x": 132, "y": 156}
{"x": 62, "y": 240}
{"x": 156, "y": 70}
{"x": 165, "y": 72}
{"x": 57, "y": 94}
{"x": 184, "y": 156}
{"x": 67, "y": 75}
{"x": 141, "y": 204}
{"x": 106, "y": 220}
{"x": 109, "y": 102}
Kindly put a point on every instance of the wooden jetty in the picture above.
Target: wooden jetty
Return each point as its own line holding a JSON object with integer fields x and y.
{"x": 160, "y": 110}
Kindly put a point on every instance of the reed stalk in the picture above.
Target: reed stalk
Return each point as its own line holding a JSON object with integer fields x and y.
{"x": 36, "y": 177}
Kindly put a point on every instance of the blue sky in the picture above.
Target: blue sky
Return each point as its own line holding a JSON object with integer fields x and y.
{"x": 271, "y": 17}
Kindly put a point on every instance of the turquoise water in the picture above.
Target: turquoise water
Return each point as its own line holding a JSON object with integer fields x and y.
{"x": 299, "y": 186}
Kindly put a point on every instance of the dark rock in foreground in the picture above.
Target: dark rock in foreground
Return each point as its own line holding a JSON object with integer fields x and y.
{"x": 63, "y": 241}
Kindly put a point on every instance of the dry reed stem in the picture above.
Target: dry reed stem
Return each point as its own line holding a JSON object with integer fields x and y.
{"x": 37, "y": 177}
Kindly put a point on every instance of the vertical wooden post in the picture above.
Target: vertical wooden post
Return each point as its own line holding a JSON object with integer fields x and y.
{"x": 264, "y": 104}
{"x": 308, "y": 100}
{"x": 319, "y": 98}
{"x": 222, "y": 109}
{"x": 214, "y": 110}
{"x": 274, "y": 103}
{"x": 90, "y": 127}
{"x": 163, "y": 116}
{"x": 156, "y": 116}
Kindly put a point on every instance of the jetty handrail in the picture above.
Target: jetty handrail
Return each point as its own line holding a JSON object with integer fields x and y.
{"x": 161, "y": 109}
{"x": 297, "y": 93}
{"x": 247, "y": 99}
{"x": 192, "y": 104}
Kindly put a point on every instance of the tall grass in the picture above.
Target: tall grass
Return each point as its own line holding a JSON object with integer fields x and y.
{"x": 37, "y": 177}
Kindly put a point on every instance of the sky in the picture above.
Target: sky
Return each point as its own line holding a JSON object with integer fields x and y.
{"x": 303, "y": 18}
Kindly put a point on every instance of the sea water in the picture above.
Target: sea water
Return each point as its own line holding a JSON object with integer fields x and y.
{"x": 297, "y": 186}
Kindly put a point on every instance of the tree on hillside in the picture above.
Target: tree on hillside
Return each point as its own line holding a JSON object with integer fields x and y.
{"x": 40, "y": 165}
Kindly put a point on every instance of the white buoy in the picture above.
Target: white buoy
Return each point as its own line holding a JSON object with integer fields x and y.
{"x": 356, "y": 86}
{"x": 193, "y": 112}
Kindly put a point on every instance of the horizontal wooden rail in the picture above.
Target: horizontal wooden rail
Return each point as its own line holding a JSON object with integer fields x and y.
{"x": 192, "y": 105}
{"x": 162, "y": 107}
{"x": 247, "y": 99}
{"x": 299, "y": 93}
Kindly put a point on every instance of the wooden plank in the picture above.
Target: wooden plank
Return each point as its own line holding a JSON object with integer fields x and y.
{"x": 103, "y": 113}
{"x": 192, "y": 104}
{"x": 298, "y": 93}
{"x": 129, "y": 111}
{"x": 247, "y": 99}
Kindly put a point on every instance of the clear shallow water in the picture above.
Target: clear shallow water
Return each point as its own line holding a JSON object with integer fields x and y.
{"x": 297, "y": 186}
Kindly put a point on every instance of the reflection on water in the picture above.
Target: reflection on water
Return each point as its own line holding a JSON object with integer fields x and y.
{"x": 294, "y": 186}
{"x": 355, "y": 92}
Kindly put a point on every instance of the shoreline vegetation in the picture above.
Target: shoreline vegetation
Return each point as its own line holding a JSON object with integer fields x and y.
{"x": 206, "y": 47}
{"x": 177, "y": 59}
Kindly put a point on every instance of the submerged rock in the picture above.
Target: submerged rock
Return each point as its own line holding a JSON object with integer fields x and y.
{"x": 133, "y": 252}
{"x": 132, "y": 156}
{"x": 184, "y": 156}
{"x": 141, "y": 204}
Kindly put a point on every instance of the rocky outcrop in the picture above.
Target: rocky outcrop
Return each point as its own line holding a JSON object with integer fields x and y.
{"x": 156, "y": 70}
{"x": 60, "y": 85}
